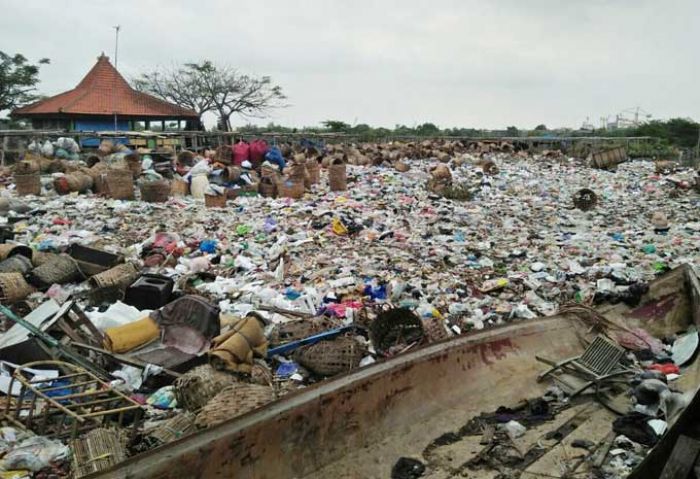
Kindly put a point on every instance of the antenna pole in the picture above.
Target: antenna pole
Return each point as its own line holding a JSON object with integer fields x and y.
{"x": 116, "y": 52}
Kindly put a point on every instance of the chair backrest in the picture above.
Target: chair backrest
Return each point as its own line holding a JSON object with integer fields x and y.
{"x": 601, "y": 356}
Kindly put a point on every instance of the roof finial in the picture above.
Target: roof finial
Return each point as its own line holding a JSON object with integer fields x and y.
{"x": 103, "y": 57}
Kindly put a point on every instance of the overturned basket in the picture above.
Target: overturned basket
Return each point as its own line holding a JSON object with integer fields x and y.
{"x": 233, "y": 401}
{"x": 198, "y": 386}
{"x": 13, "y": 288}
{"x": 395, "y": 326}
{"x": 59, "y": 269}
{"x": 585, "y": 199}
{"x": 119, "y": 276}
{"x": 171, "y": 429}
{"x": 328, "y": 358}
{"x": 155, "y": 191}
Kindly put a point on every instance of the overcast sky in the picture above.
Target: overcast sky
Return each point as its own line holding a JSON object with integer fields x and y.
{"x": 488, "y": 63}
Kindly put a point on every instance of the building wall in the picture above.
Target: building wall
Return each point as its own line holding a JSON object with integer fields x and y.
{"x": 100, "y": 124}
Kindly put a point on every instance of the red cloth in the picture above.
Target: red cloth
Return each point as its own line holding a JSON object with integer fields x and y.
{"x": 241, "y": 153}
{"x": 666, "y": 369}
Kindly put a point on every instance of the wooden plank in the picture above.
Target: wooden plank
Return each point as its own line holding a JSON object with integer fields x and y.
{"x": 682, "y": 458}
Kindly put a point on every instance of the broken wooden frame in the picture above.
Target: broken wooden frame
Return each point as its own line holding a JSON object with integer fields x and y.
{"x": 74, "y": 402}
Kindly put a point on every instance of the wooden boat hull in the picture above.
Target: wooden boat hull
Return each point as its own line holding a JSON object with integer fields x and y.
{"x": 358, "y": 425}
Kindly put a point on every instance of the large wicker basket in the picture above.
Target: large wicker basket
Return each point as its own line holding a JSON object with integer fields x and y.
{"x": 337, "y": 175}
{"x": 179, "y": 188}
{"x": 119, "y": 184}
{"x": 121, "y": 276}
{"x": 215, "y": 201}
{"x": 267, "y": 187}
{"x": 7, "y": 250}
{"x": 328, "y": 358}
{"x": 233, "y": 401}
{"x": 13, "y": 288}
{"x": 16, "y": 264}
{"x": 395, "y": 326}
{"x": 313, "y": 168}
{"x": 291, "y": 188}
{"x": 198, "y": 386}
{"x": 27, "y": 166}
{"x": 59, "y": 270}
{"x": 155, "y": 191}
{"x": 28, "y": 184}
{"x": 98, "y": 172}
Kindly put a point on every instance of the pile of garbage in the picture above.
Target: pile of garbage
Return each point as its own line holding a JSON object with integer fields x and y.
{"x": 220, "y": 296}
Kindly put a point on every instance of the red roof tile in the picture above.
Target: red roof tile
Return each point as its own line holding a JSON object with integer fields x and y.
{"x": 102, "y": 92}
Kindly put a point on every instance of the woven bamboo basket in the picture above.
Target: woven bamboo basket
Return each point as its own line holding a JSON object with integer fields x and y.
{"x": 328, "y": 358}
{"x": 26, "y": 167}
{"x": 267, "y": 187}
{"x": 179, "y": 188}
{"x": 7, "y": 250}
{"x": 97, "y": 451}
{"x": 313, "y": 168}
{"x": 215, "y": 201}
{"x": 60, "y": 269}
{"x": 121, "y": 276}
{"x": 268, "y": 171}
{"x": 299, "y": 329}
{"x": 28, "y": 184}
{"x": 233, "y": 401}
{"x": 337, "y": 175}
{"x": 13, "y": 288}
{"x": 78, "y": 181}
{"x": 155, "y": 191}
{"x": 585, "y": 199}
{"x": 291, "y": 188}
{"x": 119, "y": 184}
{"x": 98, "y": 172}
{"x": 434, "y": 329}
{"x": 198, "y": 386}
{"x": 394, "y": 326}
{"x": 224, "y": 154}
{"x": 16, "y": 264}
{"x": 133, "y": 163}
{"x": 171, "y": 429}
{"x": 41, "y": 257}
{"x": 233, "y": 173}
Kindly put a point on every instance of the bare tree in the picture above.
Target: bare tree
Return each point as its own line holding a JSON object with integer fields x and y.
{"x": 183, "y": 86}
{"x": 205, "y": 87}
